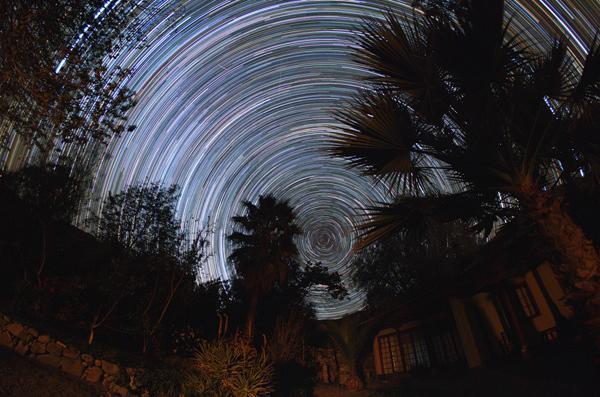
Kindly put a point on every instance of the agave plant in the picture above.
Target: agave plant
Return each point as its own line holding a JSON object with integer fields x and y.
{"x": 230, "y": 368}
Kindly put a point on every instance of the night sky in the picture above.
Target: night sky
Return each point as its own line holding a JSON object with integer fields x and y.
{"x": 235, "y": 100}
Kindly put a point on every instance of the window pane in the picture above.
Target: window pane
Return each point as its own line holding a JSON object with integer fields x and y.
{"x": 526, "y": 299}
{"x": 391, "y": 359}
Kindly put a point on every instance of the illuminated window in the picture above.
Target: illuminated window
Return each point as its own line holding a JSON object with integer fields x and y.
{"x": 444, "y": 347}
{"x": 391, "y": 359}
{"x": 550, "y": 335}
{"x": 408, "y": 351}
{"x": 403, "y": 351}
{"x": 421, "y": 353}
{"x": 527, "y": 301}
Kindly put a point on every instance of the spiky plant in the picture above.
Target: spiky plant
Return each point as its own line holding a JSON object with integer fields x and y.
{"x": 230, "y": 368}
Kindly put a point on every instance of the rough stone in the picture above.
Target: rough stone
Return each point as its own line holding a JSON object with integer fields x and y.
{"x": 54, "y": 349}
{"x": 25, "y": 335}
{"x": 71, "y": 366}
{"x": 87, "y": 359}
{"x": 43, "y": 339}
{"x": 110, "y": 368}
{"x": 38, "y": 348}
{"x": 108, "y": 381}
{"x": 71, "y": 353}
{"x": 120, "y": 391}
{"x": 33, "y": 332}
{"x": 98, "y": 363}
{"x": 92, "y": 374}
{"x": 48, "y": 359}
{"x": 14, "y": 328}
{"x": 61, "y": 344}
{"x": 22, "y": 348}
{"x": 6, "y": 339}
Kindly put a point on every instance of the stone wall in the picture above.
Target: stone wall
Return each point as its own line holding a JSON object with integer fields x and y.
{"x": 111, "y": 378}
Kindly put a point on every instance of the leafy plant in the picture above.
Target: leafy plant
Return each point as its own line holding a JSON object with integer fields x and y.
{"x": 163, "y": 381}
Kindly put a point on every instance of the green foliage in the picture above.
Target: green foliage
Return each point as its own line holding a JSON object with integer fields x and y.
{"x": 230, "y": 368}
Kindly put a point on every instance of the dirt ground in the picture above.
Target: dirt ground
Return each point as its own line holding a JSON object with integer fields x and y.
{"x": 20, "y": 377}
{"x": 336, "y": 391}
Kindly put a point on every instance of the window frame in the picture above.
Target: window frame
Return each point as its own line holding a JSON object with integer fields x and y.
{"x": 397, "y": 366}
{"x": 535, "y": 310}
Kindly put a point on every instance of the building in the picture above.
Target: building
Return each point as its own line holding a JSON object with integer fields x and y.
{"x": 490, "y": 315}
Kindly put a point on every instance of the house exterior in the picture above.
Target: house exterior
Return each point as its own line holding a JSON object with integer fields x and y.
{"x": 506, "y": 314}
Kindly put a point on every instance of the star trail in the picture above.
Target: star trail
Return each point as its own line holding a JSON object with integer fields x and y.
{"x": 235, "y": 100}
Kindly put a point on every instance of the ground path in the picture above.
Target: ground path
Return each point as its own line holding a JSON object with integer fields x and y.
{"x": 20, "y": 377}
{"x": 336, "y": 391}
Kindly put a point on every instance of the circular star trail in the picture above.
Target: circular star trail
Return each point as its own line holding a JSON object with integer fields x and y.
{"x": 235, "y": 100}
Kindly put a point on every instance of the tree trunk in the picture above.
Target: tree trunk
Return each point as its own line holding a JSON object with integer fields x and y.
{"x": 354, "y": 381}
{"x": 91, "y": 335}
{"x": 251, "y": 316}
{"x": 580, "y": 271}
{"x": 42, "y": 262}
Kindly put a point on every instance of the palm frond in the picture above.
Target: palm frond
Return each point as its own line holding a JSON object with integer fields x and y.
{"x": 380, "y": 137}
{"x": 414, "y": 216}
{"x": 397, "y": 54}
{"x": 552, "y": 73}
{"x": 587, "y": 88}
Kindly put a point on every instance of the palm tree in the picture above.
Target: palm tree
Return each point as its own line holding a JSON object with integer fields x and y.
{"x": 466, "y": 121}
{"x": 264, "y": 248}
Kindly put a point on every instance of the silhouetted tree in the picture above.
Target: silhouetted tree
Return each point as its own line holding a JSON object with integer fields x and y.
{"x": 310, "y": 275}
{"x": 264, "y": 248}
{"x": 50, "y": 193}
{"x": 396, "y": 269}
{"x": 456, "y": 96}
{"x": 139, "y": 224}
{"x": 55, "y": 84}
